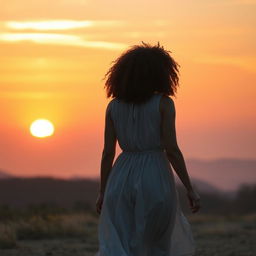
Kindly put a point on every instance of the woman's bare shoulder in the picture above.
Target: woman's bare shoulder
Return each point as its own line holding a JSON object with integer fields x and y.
{"x": 111, "y": 102}
{"x": 166, "y": 103}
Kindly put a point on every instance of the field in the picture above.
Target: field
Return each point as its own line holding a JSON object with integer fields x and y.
{"x": 76, "y": 234}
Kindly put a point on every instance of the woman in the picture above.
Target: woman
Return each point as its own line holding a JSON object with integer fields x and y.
{"x": 138, "y": 202}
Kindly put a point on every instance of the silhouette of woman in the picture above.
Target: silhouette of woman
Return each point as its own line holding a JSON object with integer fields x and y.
{"x": 138, "y": 203}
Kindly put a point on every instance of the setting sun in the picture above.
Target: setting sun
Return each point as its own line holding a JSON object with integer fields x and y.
{"x": 41, "y": 128}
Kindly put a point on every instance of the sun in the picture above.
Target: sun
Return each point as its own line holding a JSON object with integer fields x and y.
{"x": 41, "y": 128}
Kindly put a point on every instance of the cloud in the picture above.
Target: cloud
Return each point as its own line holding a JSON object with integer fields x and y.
{"x": 15, "y": 31}
{"x": 58, "y": 24}
{"x": 60, "y": 39}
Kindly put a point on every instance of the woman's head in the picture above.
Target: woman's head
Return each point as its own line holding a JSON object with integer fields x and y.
{"x": 141, "y": 71}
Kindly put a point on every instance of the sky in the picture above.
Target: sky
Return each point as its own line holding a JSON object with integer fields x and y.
{"x": 54, "y": 55}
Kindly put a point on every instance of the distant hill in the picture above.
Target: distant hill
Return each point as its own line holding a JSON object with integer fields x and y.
{"x": 201, "y": 185}
{"x": 25, "y": 191}
{"x": 226, "y": 174}
{"x": 81, "y": 194}
{"x": 223, "y": 174}
{"x": 5, "y": 175}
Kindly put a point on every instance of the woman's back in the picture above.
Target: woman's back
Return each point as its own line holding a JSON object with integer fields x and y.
{"x": 137, "y": 126}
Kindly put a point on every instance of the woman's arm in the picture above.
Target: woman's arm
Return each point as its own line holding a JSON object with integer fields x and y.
{"x": 175, "y": 156}
{"x": 109, "y": 150}
{"x": 173, "y": 152}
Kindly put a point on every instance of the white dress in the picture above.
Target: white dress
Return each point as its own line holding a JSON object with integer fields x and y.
{"x": 141, "y": 214}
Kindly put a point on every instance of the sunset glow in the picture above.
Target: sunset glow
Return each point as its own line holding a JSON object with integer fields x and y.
{"x": 54, "y": 55}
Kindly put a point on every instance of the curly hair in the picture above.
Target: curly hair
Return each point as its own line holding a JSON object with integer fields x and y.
{"x": 140, "y": 72}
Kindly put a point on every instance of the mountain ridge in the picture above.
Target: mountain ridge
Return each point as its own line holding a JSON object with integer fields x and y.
{"x": 223, "y": 174}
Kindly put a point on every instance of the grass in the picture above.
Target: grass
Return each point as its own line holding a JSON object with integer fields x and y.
{"x": 76, "y": 234}
{"x": 224, "y": 235}
{"x": 7, "y": 236}
{"x": 48, "y": 227}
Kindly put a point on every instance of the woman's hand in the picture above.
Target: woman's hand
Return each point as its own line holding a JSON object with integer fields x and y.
{"x": 99, "y": 202}
{"x": 194, "y": 200}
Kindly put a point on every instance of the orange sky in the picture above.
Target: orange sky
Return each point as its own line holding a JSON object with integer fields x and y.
{"x": 54, "y": 55}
